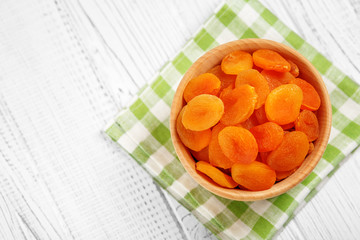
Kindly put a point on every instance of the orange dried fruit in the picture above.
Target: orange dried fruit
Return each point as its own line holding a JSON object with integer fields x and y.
{"x": 280, "y": 175}
{"x": 239, "y": 104}
{"x": 268, "y": 136}
{"x": 206, "y": 83}
{"x": 256, "y": 80}
{"x": 282, "y": 105}
{"x": 311, "y": 147}
{"x": 311, "y": 100}
{"x": 257, "y": 68}
{"x": 261, "y": 115}
{"x": 291, "y": 152}
{"x": 202, "y": 112}
{"x": 216, "y": 156}
{"x": 276, "y": 79}
{"x": 215, "y": 174}
{"x": 255, "y": 176}
{"x": 249, "y": 123}
{"x": 294, "y": 69}
{"x": 238, "y": 144}
{"x": 288, "y": 126}
{"x": 202, "y": 155}
{"x": 195, "y": 140}
{"x": 225, "y": 79}
{"x": 270, "y": 60}
{"x": 272, "y": 82}
{"x": 258, "y": 158}
{"x": 307, "y": 123}
{"x": 235, "y": 120}
{"x": 263, "y": 156}
{"x": 236, "y": 61}
{"x": 226, "y": 171}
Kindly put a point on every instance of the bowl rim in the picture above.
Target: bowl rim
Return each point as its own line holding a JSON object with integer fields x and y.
{"x": 311, "y": 160}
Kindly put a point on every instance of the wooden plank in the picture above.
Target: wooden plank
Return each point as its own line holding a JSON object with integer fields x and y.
{"x": 63, "y": 177}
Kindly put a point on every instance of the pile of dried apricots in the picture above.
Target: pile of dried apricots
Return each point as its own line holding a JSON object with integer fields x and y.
{"x": 249, "y": 121}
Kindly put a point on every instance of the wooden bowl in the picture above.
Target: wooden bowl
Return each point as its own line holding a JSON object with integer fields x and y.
{"x": 307, "y": 72}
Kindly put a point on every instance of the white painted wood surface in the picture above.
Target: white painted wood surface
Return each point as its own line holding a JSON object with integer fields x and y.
{"x": 68, "y": 66}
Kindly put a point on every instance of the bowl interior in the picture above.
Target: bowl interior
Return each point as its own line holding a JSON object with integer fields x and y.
{"x": 307, "y": 72}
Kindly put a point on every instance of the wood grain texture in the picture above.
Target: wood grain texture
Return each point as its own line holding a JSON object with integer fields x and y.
{"x": 67, "y": 67}
{"x": 60, "y": 177}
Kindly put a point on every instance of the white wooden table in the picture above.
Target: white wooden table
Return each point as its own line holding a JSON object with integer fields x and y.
{"x": 67, "y": 67}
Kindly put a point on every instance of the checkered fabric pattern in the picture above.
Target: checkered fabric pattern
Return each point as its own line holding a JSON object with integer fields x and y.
{"x": 143, "y": 129}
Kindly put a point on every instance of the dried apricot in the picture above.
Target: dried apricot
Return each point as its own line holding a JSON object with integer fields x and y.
{"x": 294, "y": 69}
{"x": 249, "y": 123}
{"x": 261, "y": 115}
{"x": 195, "y": 140}
{"x": 291, "y": 152}
{"x": 202, "y": 112}
{"x": 282, "y": 105}
{"x": 270, "y": 60}
{"x": 280, "y": 175}
{"x": 216, "y": 156}
{"x": 256, "y": 80}
{"x": 263, "y": 156}
{"x": 307, "y": 123}
{"x": 255, "y": 176}
{"x": 215, "y": 174}
{"x": 257, "y": 68}
{"x": 206, "y": 83}
{"x": 268, "y": 136}
{"x": 239, "y": 104}
{"x": 225, "y": 79}
{"x": 258, "y": 158}
{"x": 236, "y": 61}
{"x": 311, "y": 147}
{"x": 275, "y": 78}
{"x": 288, "y": 126}
{"x": 311, "y": 100}
{"x": 202, "y": 155}
{"x": 226, "y": 171}
{"x": 272, "y": 82}
{"x": 238, "y": 144}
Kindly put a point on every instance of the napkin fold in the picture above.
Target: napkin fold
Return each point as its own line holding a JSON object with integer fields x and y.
{"x": 143, "y": 128}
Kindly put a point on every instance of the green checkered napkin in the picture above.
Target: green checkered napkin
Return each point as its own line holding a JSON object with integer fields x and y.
{"x": 143, "y": 129}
